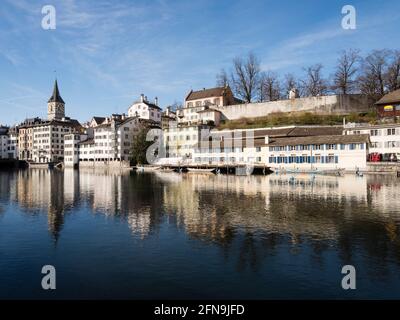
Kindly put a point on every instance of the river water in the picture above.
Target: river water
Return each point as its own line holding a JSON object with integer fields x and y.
{"x": 113, "y": 235}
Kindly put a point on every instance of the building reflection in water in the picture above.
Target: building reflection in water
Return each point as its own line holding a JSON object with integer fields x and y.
{"x": 249, "y": 217}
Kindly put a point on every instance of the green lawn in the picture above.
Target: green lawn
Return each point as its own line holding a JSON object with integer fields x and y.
{"x": 297, "y": 118}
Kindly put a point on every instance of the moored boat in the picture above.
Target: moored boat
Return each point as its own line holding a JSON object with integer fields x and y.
{"x": 40, "y": 165}
{"x": 200, "y": 170}
{"x": 147, "y": 168}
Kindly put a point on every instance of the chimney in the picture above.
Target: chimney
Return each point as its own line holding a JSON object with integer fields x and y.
{"x": 145, "y": 98}
{"x": 156, "y": 101}
{"x": 142, "y": 97}
{"x": 266, "y": 139}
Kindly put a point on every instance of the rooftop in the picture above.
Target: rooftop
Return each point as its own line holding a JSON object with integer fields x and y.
{"x": 207, "y": 93}
{"x": 391, "y": 97}
{"x": 326, "y": 139}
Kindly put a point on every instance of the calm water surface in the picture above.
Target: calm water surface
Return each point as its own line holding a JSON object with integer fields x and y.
{"x": 165, "y": 235}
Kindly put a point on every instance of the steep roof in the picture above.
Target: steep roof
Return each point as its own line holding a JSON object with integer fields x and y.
{"x": 56, "y": 97}
{"x": 99, "y": 120}
{"x": 315, "y": 131}
{"x": 391, "y": 97}
{"x": 149, "y": 104}
{"x": 207, "y": 93}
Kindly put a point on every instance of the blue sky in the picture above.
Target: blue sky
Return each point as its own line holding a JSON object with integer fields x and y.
{"x": 106, "y": 53}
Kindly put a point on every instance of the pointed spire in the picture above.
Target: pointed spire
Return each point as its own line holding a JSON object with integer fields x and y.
{"x": 56, "y": 94}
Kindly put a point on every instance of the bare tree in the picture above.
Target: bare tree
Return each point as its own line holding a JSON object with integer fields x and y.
{"x": 176, "y": 105}
{"x": 290, "y": 82}
{"x": 372, "y": 77}
{"x": 245, "y": 77}
{"x": 314, "y": 84}
{"x": 393, "y": 72}
{"x": 346, "y": 69}
{"x": 269, "y": 87}
{"x": 222, "y": 78}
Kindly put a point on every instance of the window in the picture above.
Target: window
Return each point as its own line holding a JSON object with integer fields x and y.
{"x": 330, "y": 158}
{"x": 391, "y": 132}
{"x": 374, "y": 132}
{"x": 258, "y": 149}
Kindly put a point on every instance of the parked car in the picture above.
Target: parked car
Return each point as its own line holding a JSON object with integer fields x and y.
{"x": 374, "y": 157}
{"x": 389, "y": 157}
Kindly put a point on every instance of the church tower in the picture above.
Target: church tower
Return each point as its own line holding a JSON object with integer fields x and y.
{"x": 55, "y": 105}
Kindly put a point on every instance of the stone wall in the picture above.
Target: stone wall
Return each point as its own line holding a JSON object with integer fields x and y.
{"x": 334, "y": 104}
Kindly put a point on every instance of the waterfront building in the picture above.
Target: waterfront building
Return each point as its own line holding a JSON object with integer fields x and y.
{"x": 108, "y": 144}
{"x": 181, "y": 140}
{"x": 71, "y": 148}
{"x": 385, "y": 138}
{"x": 48, "y": 139}
{"x": 25, "y": 138}
{"x": 43, "y": 140}
{"x": 389, "y": 105}
{"x": 145, "y": 109}
{"x": 12, "y": 146}
{"x": 3, "y": 142}
{"x": 290, "y": 148}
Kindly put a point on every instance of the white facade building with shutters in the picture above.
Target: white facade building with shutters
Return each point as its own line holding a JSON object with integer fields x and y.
{"x": 146, "y": 110}
{"x": 384, "y": 138}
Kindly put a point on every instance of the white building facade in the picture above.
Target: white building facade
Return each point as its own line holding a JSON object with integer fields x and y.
{"x": 294, "y": 153}
{"x": 71, "y": 148}
{"x": 146, "y": 110}
{"x": 385, "y": 139}
{"x": 3, "y": 145}
{"x": 48, "y": 139}
{"x": 110, "y": 143}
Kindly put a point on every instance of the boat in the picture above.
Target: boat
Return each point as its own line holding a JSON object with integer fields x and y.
{"x": 40, "y": 165}
{"x": 199, "y": 170}
{"x": 166, "y": 170}
{"x": 147, "y": 168}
